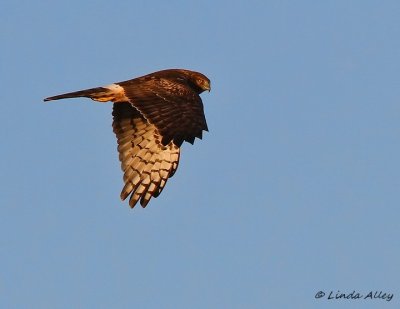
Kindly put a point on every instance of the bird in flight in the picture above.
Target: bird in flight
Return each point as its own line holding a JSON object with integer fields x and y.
{"x": 152, "y": 116}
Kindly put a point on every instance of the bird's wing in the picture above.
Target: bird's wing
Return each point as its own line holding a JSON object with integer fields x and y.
{"x": 146, "y": 163}
{"x": 174, "y": 108}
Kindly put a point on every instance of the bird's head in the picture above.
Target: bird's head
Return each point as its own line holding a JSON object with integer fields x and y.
{"x": 198, "y": 81}
{"x": 201, "y": 81}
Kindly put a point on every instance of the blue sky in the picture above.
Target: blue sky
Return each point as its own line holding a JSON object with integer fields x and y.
{"x": 294, "y": 190}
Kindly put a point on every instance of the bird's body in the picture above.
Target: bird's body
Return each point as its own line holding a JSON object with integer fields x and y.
{"x": 152, "y": 116}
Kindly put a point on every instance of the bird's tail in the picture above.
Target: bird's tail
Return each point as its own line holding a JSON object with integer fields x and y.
{"x": 98, "y": 94}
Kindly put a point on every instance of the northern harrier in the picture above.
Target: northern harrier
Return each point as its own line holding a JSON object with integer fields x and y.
{"x": 152, "y": 116}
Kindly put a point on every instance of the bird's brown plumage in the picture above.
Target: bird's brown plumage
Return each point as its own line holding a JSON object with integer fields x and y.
{"x": 152, "y": 116}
